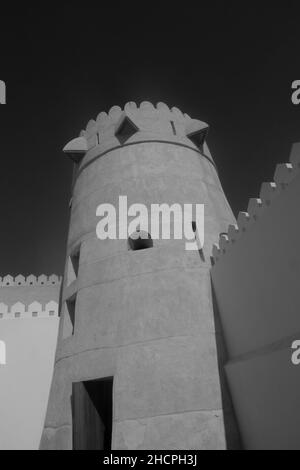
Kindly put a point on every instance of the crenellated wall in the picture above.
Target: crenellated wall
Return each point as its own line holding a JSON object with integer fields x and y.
{"x": 34, "y": 309}
{"x": 146, "y": 118}
{"x": 284, "y": 174}
{"x": 255, "y": 276}
{"x": 33, "y": 296}
{"x": 28, "y": 334}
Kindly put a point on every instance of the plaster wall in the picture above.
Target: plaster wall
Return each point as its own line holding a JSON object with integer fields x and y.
{"x": 256, "y": 284}
{"x": 25, "y": 380}
{"x": 28, "y": 329}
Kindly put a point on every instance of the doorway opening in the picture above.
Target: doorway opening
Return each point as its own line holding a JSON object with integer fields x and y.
{"x": 92, "y": 414}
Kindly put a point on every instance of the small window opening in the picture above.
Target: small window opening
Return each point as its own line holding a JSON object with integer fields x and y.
{"x": 173, "y": 127}
{"x": 140, "y": 240}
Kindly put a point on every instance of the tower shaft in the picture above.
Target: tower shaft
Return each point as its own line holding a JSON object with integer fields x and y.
{"x": 137, "y": 333}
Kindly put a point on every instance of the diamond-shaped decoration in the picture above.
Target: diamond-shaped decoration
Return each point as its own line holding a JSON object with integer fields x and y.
{"x": 125, "y": 130}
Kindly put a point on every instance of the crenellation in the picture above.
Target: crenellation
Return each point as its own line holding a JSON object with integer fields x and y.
{"x": 3, "y": 309}
{"x": 255, "y": 208}
{"x": 177, "y": 113}
{"x": 295, "y": 156}
{"x": 233, "y": 233}
{"x": 33, "y": 310}
{"x": 163, "y": 108}
{"x": 268, "y": 192}
{"x": 115, "y": 113}
{"x": 216, "y": 252}
{"x": 51, "y": 308}
{"x": 29, "y": 281}
{"x": 17, "y": 309}
{"x": 8, "y": 281}
{"x": 91, "y": 126}
{"x": 243, "y": 221}
{"x": 223, "y": 243}
{"x": 283, "y": 176}
{"x": 20, "y": 280}
{"x": 42, "y": 280}
{"x": 82, "y": 133}
{"x": 284, "y": 173}
{"x": 54, "y": 280}
{"x": 102, "y": 117}
{"x": 146, "y": 117}
{"x": 147, "y": 109}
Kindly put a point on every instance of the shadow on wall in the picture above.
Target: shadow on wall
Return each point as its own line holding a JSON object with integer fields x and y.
{"x": 232, "y": 434}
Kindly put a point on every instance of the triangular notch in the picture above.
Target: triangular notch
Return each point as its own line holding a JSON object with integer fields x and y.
{"x": 198, "y": 138}
{"x": 76, "y": 149}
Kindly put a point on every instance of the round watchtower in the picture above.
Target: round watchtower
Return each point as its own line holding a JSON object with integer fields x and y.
{"x": 136, "y": 363}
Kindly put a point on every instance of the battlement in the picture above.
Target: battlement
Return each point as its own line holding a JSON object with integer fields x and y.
{"x": 121, "y": 125}
{"x": 30, "y": 281}
{"x": 284, "y": 174}
{"x": 34, "y": 309}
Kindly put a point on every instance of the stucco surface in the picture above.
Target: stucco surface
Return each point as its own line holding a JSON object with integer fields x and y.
{"x": 265, "y": 391}
{"x": 256, "y": 283}
{"x": 25, "y": 380}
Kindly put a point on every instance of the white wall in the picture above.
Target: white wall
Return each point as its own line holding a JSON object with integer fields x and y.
{"x": 25, "y": 379}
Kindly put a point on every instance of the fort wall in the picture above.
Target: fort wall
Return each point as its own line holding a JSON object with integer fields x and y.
{"x": 256, "y": 284}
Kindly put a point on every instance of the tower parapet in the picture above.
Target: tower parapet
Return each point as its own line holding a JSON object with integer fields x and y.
{"x": 135, "y": 124}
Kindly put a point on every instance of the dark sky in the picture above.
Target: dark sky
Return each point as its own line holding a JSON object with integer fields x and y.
{"x": 230, "y": 65}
